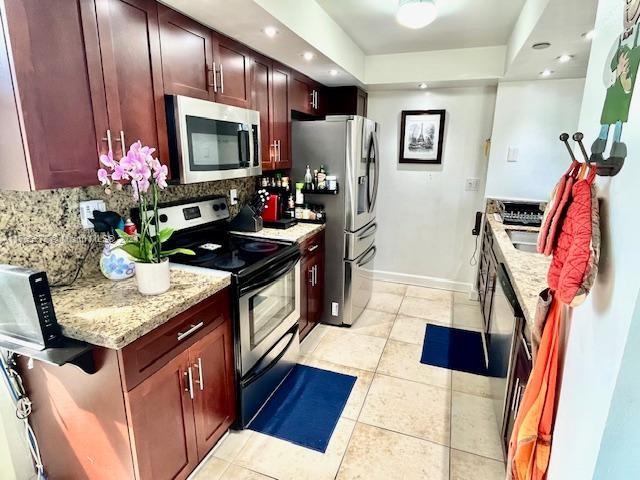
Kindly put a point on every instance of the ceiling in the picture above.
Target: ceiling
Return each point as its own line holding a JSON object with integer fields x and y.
{"x": 460, "y": 24}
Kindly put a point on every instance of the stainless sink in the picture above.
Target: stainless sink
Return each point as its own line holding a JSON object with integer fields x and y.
{"x": 523, "y": 240}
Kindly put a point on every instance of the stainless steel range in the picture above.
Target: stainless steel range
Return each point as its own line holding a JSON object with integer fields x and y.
{"x": 265, "y": 291}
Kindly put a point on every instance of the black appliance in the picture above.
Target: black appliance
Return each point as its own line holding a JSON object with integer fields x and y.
{"x": 526, "y": 214}
{"x": 265, "y": 283}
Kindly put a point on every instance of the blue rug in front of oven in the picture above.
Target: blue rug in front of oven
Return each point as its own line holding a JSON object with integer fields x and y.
{"x": 306, "y": 407}
{"x": 454, "y": 348}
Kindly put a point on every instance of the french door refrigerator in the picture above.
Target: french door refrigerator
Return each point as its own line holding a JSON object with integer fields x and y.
{"x": 348, "y": 148}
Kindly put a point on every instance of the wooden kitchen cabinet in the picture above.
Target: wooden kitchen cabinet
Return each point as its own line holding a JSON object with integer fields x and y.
{"x": 306, "y": 95}
{"x": 350, "y": 100}
{"x": 132, "y": 69}
{"x": 187, "y": 55}
{"x": 312, "y": 288}
{"x": 233, "y": 64}
{"x": 58, "y": 82}
{"x": 270, "y": 96}
{"x": 153, "y": 410}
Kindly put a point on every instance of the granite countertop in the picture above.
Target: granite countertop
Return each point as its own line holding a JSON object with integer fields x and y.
{"x": 528, "y": 271}
{"x": 297, "y": 233}
{"x": 113, "y": 314}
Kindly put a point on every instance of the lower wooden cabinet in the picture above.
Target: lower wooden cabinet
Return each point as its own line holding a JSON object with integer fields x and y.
{"x": 153, "y": 410}
{"x": 312, "y": 288}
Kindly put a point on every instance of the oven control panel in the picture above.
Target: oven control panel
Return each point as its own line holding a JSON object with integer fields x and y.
{"x": 188, "y": 215}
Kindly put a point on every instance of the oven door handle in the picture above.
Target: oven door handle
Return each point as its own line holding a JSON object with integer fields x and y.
{"x": 256, "y": 374}
{"x": 273, "y": 276}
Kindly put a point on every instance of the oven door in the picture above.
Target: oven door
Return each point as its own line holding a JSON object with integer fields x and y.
{"x": 267, "y": 312}
{"x": 215, "y": 141}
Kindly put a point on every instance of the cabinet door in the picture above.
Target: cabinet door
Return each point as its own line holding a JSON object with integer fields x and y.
{"x": 261, "y": 100}
{"x": 300, "y": 95}
{"x": 233, "y": 62}
{"x": 162, "y": 423}
{"x": 214, "y": 387}
{"x": 59, "y": 76}
{"x": 281, "y": 116}
{"x": 130, "y": 46}
{"x": 187, "y": 55}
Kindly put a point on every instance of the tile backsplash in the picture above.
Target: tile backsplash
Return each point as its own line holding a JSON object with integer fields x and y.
{"x": 42, "y": 229}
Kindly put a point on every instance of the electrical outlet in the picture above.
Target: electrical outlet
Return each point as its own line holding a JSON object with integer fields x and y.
{"x": 233, "y": 196}
{"x": 86, "y": 211}
{"x": 335, "y": 309}
{"x": 472, "y": 185}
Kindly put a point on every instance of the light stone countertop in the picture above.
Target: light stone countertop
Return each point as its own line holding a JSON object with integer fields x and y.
{"x": 528, "y": 271}
{"x": 114, "y": 314}
{"x": 295, "y": 234}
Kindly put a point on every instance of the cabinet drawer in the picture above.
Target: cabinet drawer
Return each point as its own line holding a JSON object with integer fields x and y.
{"x": 312, "y": 244}
{"x": 151, "y": 352}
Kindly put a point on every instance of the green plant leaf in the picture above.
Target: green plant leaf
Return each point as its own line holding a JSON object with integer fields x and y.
{"x": 133, "y": 250}
{"x": 165, "y": 234}
{"x": 184, "y": 251}
{"x": 125, "y": 236}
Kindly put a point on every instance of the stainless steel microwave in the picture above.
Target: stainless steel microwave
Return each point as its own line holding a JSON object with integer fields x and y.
{"x": 211, "y": 141}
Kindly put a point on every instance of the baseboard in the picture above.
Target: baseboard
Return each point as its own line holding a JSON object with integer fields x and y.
{"x": 422, "y": 281}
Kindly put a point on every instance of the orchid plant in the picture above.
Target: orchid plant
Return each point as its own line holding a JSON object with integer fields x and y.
{"x": 147, "y": 177}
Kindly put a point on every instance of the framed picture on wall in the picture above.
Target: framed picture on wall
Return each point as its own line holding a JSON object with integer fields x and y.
{"x": 422, "y": 136}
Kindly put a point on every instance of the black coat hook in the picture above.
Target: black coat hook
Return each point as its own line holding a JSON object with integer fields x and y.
{"x": 564, "y": 138}
{"x": 609, "y": 167}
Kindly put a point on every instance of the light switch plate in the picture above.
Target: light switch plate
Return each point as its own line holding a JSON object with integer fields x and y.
{"x": 472, "y": 184}
{"x": 86, "y": 211}
{"x": 512, "y": 154}
{"x": 233, "y": 196}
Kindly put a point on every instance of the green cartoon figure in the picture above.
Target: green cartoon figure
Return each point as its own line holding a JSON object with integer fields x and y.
{"x": 620, "y": 75}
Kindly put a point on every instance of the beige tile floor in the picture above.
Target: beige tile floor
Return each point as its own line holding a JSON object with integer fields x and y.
{"x": 403, "y": 420}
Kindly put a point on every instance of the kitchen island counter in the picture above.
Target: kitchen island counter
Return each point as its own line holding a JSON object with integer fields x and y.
{"x": 114, "y": 314}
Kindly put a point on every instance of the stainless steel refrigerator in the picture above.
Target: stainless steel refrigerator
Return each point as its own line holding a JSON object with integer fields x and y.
{"x": 348, "y": 148}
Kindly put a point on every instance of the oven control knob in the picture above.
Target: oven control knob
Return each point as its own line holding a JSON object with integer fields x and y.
{"x": 216, "y": 207}
{"x": 163, "y": 218}
{"x": 223, "y": 206}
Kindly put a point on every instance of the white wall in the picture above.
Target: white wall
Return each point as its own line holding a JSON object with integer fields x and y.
{"x": 425, "y": 216}
{"x": 530, "y": 117}
{"x": 598, "y": 331}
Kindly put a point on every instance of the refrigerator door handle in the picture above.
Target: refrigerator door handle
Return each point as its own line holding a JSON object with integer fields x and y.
{"x": 368, "y": 257}
{"x": 376, "y": 164}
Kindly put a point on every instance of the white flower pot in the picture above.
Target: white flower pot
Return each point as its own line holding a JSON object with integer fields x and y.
{"x": 153, "y": 278}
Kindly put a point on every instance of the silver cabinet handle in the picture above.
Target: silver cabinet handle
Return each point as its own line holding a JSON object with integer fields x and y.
{"x": 221, "y": 79}
{"x": 519, "y": 398}
{"x": 526, "y": 347}
{"x": 190, "y": 376}
{"x": 215, "y": 78}
{"x": 108, "y": 140}
{"x": 314, "y": 248}
{"x": 313, "y": 98}
{"x": 199, "y": 367}
{"x": 315, "y": 275}
{"x": 515, "y": 394}
{"x": 279, "y": 151}
{"x": 193, "y": 328}
{"x": 316, "y": 92}
{"x": 123, "y": 145}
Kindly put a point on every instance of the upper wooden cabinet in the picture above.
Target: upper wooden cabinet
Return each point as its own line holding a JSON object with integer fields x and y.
{"x": 270, "y": 96}
{"x": 187, "y": 55}
{"x": 130, "y": 48}
{"x": 57, "y": 78}
{"x": 233, "y": 64}
{"x": 307, "y": 96}
{"x": 346, "y": 101}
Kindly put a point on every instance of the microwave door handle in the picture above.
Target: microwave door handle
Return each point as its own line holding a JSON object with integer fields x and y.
{"x": 244, "y": 147}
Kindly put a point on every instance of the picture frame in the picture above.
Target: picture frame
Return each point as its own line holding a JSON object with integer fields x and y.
{"x": 422, "y": 136}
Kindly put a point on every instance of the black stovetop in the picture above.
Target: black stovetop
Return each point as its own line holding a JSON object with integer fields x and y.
{"x": 220, "y": 250}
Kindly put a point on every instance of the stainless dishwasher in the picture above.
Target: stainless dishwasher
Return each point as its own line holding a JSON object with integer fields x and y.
{"x": 506, "y": 316}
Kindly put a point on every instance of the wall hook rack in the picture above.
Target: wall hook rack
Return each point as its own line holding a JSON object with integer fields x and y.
{"x": 608, "y": 167}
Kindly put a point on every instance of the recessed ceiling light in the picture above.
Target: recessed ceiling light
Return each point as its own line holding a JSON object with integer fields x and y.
{"x": 416, "y": 13}
{"x": 589, "y": 35}
{"x": 540, "y": 45}
{"x": 308, "y": 56}
{"x": 333, "y": 72}
{"x": 270, "y": 31}
{"x": 422, "y": 86}
{"x": 546, "y": 73}
{"x": 565, "y": 58}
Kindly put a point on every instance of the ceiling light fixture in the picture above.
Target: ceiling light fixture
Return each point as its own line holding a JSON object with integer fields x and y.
{"x": 422, "y": 86}
{"x": 546, "y": 73}
{"x": 308, "y": 56}
{"x": 540, "y": 45}
{"x": 565, "y": 58}
{"x": 270, "y": 31}
{"x": 333, "y": 72}
{"x": 589, "y": 35}
{"x": 416, "y": 13}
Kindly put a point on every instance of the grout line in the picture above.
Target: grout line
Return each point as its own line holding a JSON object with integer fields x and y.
{"x": 406, "y": 435}
{"x": 481, "y": 456}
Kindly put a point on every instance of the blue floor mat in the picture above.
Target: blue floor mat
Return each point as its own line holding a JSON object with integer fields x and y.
{"x": 453, "y": 348}
{"x": 306, "y": 407}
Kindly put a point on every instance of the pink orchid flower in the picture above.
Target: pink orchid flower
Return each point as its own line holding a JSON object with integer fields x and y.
{"x": 103, "y": 176}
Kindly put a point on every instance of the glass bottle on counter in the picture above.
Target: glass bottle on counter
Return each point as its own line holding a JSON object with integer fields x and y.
{"x": 322, "y": 177}
{"x": 308, "y": 179}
